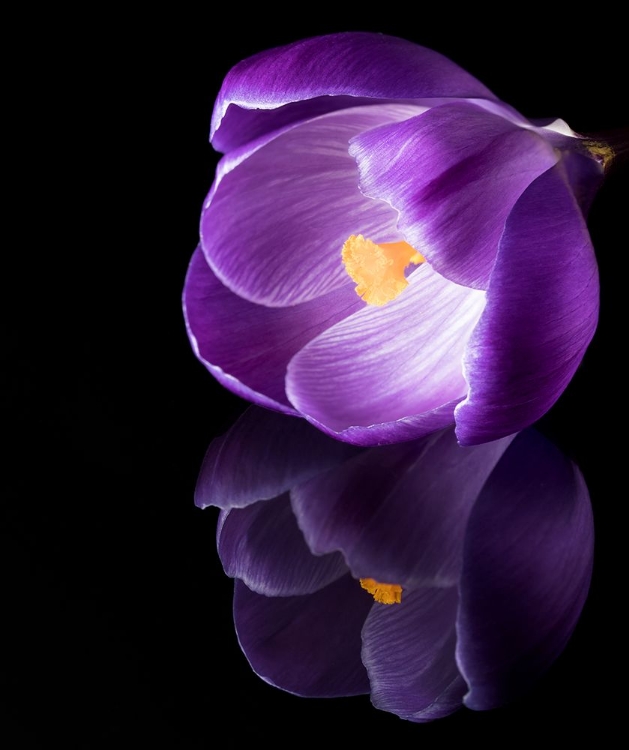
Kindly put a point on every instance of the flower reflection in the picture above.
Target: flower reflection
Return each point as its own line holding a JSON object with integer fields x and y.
{"x": 425, "y": 574}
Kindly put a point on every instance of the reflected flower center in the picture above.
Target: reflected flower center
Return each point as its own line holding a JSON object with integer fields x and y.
{"x": 378, "y": 270}
{"x": 383, "y": 593}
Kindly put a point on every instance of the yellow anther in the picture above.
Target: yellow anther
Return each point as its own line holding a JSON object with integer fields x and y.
{"x": 601, "y": 151}
{"x": 384, "y": 593}
{"x": 378, "y": 270}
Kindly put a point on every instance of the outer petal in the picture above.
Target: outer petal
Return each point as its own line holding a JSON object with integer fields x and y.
{"x": 261, "y": 456}
{"x": 274, "y": 225}
{"x": 398, "y": 513}
{"x": 454, "y": 173}
{"x": 338, "y": 66}
{"x": 408, "y": 650}
{"x": 585, "y": 175}
{"x": 527, "y": 568}
{"x": 541, "y": 313}
{"x": 384, "y": 364}
{"x": 263, "y": 546}
{"x": 247, "y": 347}
{"x": 308, "y": 645}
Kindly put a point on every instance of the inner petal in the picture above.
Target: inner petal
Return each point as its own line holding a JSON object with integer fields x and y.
{"x": 389, "y": 363}
{"x": 272, "y": 228}
{"x": 454, "y": 174}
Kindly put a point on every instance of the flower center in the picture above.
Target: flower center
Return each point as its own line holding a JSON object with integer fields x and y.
{"x": 378, "y": 270}
{"x": 384, "y": 593}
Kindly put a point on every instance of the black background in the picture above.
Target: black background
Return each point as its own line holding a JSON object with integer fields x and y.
{"x": 118, "y": 613}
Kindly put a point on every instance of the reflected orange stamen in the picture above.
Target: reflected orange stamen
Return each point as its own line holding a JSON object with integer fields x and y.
{"x": 384, "y": 593}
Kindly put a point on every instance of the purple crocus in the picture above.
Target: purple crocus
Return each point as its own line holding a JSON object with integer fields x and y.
{"x": 425, "y": 574}
{"x": 387, "y": 248}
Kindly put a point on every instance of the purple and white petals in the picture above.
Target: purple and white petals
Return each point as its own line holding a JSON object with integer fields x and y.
{"x": 268, "y": 337}
{"x": 383, "y": 364}
{"x": 296, "y": 81}
{"x": 454, "y": 173}
{"x": 277, "y": 242}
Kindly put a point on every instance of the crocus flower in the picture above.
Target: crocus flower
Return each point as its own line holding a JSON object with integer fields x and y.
{"x": 425, "y": 574}
{"x": 387, "y": 248}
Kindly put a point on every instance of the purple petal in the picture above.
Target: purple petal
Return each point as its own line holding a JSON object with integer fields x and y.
{"x": 307, "y": 645}
{"x": 585, "y": 176}
{"x": 337, "y": 67}
{"x": 247, "y": 347}
{"x": 541, "y": 313}
{"x": 454, "y": 173}
{"x": 398, "y": 513}
{"x": 384, "y": 364}
{"x": 262, "y": 456}
{"x": 408, "y": 650}
{"x": 527, "y": 568}
{"x": 249, "y": 549}
{"x": 274, "y": 224}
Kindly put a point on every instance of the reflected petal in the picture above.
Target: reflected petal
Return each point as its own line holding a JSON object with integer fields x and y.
{"x": 262, "y": 456}
{"x": 526, "y": 572}
{"x": 408, "y": 650}
{"x": 307, "y": 645}
{"x": 398, "y": 513}
{"x": 248, "y": 547}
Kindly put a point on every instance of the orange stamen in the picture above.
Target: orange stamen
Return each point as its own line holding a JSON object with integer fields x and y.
{"x": 384, "y": 593}
{"x": 378, "y": 270}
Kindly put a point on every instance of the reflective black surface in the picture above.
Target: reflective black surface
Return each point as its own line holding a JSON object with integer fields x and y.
{"x": 118, "y": 613}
